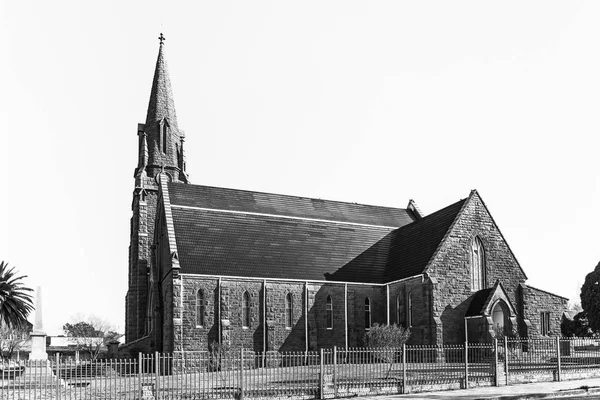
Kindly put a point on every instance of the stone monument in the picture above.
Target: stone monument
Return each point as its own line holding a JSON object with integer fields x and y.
{"x": 38, "y": 337}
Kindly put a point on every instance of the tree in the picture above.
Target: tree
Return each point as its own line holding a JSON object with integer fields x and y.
{"x": 385, "y": 340}
{"x": 576, "y": 327}
{"x": 12, "y": 339}
{"x": 91, "y": 335}
{"x": 15, "y": 299}
{"x": 590, "y": 298}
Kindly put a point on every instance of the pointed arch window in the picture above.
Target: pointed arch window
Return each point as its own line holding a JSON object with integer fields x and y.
{"x": 329, "y": 312}
{"x": 398, "y": 305}
{"x": 245, "y": 310}
{"x": 477, "y": 265}
{"x": 288, "y": 311}
{"x": 200, "y": 308}
{"x": 163, "y": 131}
{"x": 409, "y": 310}
{"x": 367, "y": 313}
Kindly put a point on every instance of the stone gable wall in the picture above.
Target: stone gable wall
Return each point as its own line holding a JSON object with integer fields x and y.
{"x": 535, "y": 302}
{"x": 451, "y": 274}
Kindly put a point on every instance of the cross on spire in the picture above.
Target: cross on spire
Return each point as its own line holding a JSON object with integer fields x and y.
{"x": 161, "y": 38}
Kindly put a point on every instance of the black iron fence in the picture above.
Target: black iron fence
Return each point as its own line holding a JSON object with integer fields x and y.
{"x": 328, "y": 373}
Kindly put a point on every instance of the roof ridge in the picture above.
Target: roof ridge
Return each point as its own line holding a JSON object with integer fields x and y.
{"x": 431, "y": 216}
{"x": 545, "y": 291}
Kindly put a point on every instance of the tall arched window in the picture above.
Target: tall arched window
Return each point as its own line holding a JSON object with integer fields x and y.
{"x": 246, "y": 310}
{"x": 163, "y": 132}
{"x": 288, "y": 310}
{"x": 329, "y": 313}
{"x": 477, "y": 265}
{"x": 398, "y": 304}
{"x": 200, "y": 308}
{"x": 409, "y": 310}
{"x": 367, "y": 313}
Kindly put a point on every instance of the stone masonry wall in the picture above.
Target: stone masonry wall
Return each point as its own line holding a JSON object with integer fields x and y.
{"x": 278, "y": 336}
{"x": 450, "y": 268}
{"x": 142, "y": 231}
{"x": 198, "y": 337}
{"x": 536, "y": 301}
{"x": 420, "y": 294}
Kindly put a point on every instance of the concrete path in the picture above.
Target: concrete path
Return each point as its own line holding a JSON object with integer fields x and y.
{"x": 544, "y": 390}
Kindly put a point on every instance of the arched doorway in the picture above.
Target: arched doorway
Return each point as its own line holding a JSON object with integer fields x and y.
{"x": 500, "y": 315}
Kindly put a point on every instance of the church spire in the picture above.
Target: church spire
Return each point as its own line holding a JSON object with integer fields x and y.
{"x": 163, "y": 137}
{"x": 161, "y": 103}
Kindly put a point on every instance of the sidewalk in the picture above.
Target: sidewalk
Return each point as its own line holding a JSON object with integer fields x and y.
{"x": 543, "y": 390}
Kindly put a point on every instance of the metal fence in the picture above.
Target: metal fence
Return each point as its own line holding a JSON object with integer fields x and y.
{"x": 327, "y": 373}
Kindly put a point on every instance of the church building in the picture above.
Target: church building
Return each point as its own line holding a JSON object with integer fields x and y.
{"x": 276, "y": 272}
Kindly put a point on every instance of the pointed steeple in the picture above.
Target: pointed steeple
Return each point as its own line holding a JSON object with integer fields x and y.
{"x": 161, "y": 105}
{"x": 162, "y": 136}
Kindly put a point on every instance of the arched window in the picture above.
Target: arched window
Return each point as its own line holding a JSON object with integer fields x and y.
{"x": 367, "y": 313}
{"x": 477, "y": 265}
{"x": 329, "y": 313}
{"x": 200, "y": 308}
{"x": 163, "y": 131}
{"x": 398, "y": 305}
{"x": 409, "y": 310}
{"x": 288, "y": 310}
{"x": 246, "y": 310}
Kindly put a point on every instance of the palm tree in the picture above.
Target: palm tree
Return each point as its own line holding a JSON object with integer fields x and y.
{"x": 15, "y": 301}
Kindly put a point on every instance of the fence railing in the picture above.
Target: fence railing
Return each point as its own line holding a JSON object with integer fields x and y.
{"x": 328, "y": 373}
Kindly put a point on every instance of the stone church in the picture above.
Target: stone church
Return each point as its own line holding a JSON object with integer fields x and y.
{"x": 276, "y": 272}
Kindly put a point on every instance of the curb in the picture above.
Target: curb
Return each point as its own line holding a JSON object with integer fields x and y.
{"x": 584, "y": 391}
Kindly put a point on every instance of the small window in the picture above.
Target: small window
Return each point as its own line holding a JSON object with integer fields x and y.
{"x": 288, "y": 311}
{"x": 163, "y": 132}
{"x": 367, "y": 313}
{"x": 329, "y": 313}
{"x": 409, "y": 310}
{"x": 200, "y": 309}
{"x": 246, "y": 310}
{"x": 545, "y": 323}
{"x": 398, "y": 305}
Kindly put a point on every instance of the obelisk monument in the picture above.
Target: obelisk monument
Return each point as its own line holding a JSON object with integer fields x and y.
{"x": 38, "y": 337}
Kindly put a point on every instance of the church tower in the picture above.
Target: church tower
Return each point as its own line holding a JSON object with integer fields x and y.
{"x": 160, "y": 149}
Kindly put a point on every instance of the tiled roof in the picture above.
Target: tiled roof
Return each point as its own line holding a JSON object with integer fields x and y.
{"x": 414, "y": 245}
{"x": 241, "y": 233}
{"x": 479, "y": 302}
{"x": 235, "y": 244}
{"x": 276, "y": 204}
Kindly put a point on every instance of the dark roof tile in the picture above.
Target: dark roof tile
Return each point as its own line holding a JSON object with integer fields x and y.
{"x": 291, "y": 206}
{"x": 413, "y": 245}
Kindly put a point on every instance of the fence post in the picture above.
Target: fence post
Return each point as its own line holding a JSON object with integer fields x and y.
{"x": 466, "y": 364}
{"x": 404, "y": 382}
{"x": 156, "y": 372}
{"x": 335, "y": 387}
{"x": 558, "y": 358}
{"x": 242, "y": 374}
{"x": 58, "y": 376}
{"x": 139, "y": 375}
{"x": 321, "y": 377}
{"x": 506, "y": 359}
{"x": 496, "y": 362}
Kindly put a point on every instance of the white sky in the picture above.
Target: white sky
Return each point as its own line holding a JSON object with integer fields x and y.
{"x": 373, "y": 102}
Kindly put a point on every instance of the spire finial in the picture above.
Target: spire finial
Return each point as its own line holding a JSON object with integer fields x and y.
{"x": 161, "y": 38}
